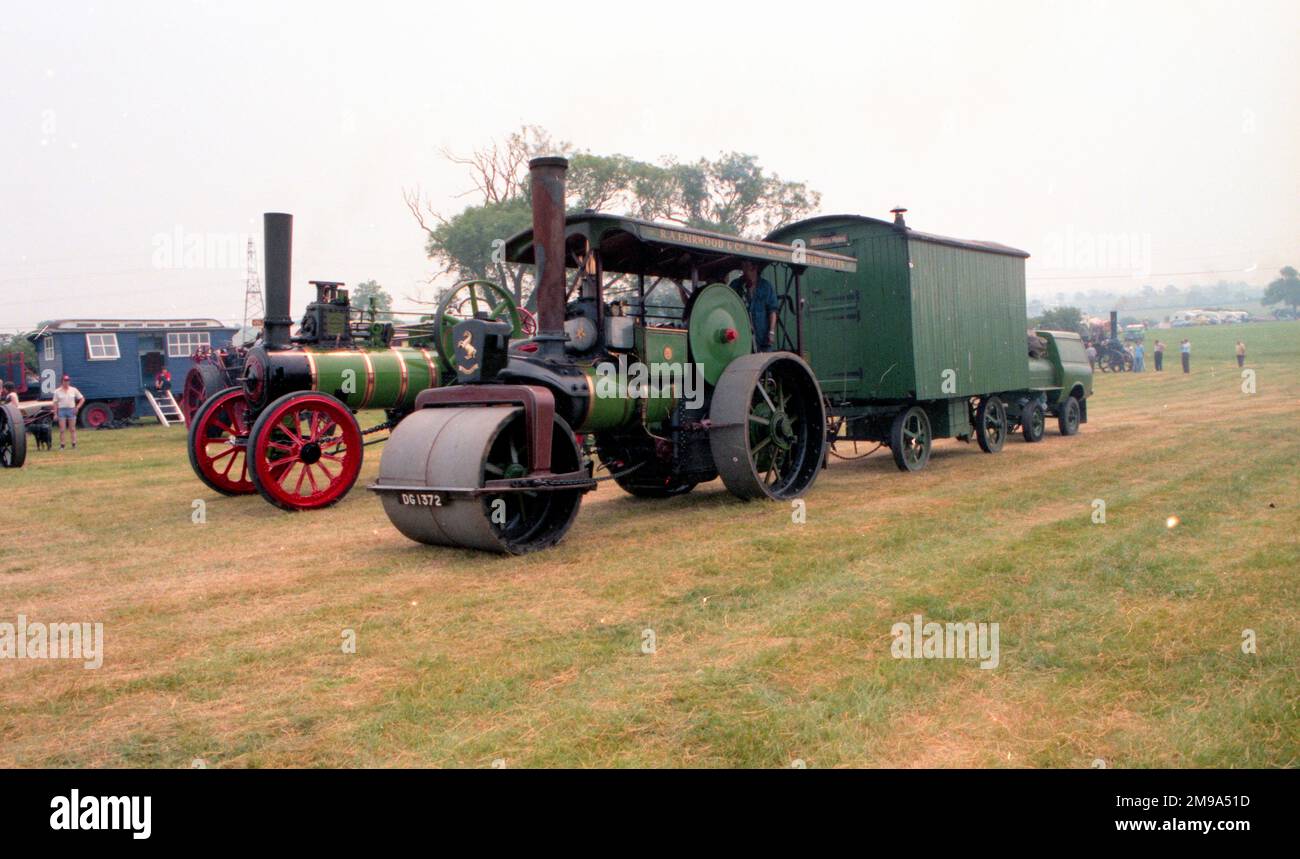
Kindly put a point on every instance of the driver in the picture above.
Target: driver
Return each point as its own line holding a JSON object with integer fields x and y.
{"x": 760, "y": 297}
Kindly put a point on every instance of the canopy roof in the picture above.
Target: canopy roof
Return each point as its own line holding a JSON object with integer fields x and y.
{"x": 633, "y": 246}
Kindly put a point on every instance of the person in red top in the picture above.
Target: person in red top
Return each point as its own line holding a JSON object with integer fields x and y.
{"x": 163, "y": 381}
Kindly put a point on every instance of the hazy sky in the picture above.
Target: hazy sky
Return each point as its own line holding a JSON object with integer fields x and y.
{"x": 1103, "y": 137}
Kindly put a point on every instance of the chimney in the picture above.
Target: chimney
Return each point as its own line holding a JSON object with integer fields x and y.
{"x": 547, "y": 176}
{"x": 277, "y": 246}
{"x": 897, "y": 212}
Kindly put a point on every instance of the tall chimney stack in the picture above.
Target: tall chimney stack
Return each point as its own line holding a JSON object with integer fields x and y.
{"x": 277, "y": 247}
{"x": 547, "y": 176}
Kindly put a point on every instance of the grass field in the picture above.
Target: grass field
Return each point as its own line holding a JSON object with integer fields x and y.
{"x": 1119, "y": 641}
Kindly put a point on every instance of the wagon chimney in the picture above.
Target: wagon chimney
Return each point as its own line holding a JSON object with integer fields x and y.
{"x": 277, "y": 245}
{"x": 547, "y": 175}
{"x": 897, "y": 212}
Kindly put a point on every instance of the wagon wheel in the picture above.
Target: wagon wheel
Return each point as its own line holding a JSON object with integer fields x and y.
{"x": 455, "y": 450}
{"x": 1068, "y": 418}
{"x": 768, "y": 426}
{"x": 991, "y": 424}
{"x": 218, "y": 439}
{"x": 469, "y": 300}
{"x": 306, "y": 451}
{"x": 910, "y": 438}
{"x": 1033, "y": 422}
{"x": 201, "y": 382}
{"x": 13, "y": 437}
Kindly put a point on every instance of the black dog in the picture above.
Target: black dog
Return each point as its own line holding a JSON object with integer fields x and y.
{"x": 44, "y": 437}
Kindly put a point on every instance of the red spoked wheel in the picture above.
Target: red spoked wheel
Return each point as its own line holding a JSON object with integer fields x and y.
{"x": 306, "y": 451}
{"x": 527, "y": 322}
{"x": 201, "y": 382}
{"x": 218, "y": 441}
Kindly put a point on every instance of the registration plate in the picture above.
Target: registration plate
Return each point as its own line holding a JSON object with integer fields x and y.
{"x": 420, "y": 499}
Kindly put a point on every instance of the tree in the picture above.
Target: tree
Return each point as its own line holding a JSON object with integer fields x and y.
{"x": 731, "y": 194}
{"x": 1061, "y": 319}
{"x": 1284, "y": 290}
{"x": 20, "y": 343}
{"x": 363, "y": 294}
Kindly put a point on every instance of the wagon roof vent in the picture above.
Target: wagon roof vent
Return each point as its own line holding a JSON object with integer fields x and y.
{"x": 897, "y": 212}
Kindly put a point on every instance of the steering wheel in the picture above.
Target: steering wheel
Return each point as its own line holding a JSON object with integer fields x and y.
{"x": 472, "y": 299}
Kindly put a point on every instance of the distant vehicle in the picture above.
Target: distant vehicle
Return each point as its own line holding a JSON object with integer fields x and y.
{"x": 114, "y": 362}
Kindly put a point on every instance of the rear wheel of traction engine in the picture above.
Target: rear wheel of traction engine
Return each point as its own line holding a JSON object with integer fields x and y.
{"x": 1033, "y": 422}
{"x": 768, "y": 433}
{"x": 991, "y": 424}
{"x": 305, "y": 451}
{"x": 13, "y": 437}
{"x": 1068, "y": 419}
{"x": 910, "y": 438}
{"x": 95, "y": 415}
{"x": 445, "y": 453}
{"x": 218, "y": 438}
{"x": 201, "y": 382}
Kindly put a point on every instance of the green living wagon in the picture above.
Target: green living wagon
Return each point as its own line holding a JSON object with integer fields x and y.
{"x": 927, "y": 338}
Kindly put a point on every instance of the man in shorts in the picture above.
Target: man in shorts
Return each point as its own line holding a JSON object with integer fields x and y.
{"x": 67, "y": 402}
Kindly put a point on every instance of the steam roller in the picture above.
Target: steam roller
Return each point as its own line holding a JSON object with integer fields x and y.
{"x": 642, "y": 371}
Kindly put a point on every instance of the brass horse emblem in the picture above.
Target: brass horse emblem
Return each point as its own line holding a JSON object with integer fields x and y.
{"x": 466, "y": 347}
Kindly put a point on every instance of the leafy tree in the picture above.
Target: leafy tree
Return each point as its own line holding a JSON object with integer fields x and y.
{"x": 20, "y": 343}
{"x": 364, "y": 293}
{"x": 731, "y": 194}
{"x": 1284, "y": 290}
{"x": 1061, "y": 319}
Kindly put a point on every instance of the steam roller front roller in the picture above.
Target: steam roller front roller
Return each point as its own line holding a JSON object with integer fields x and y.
{"x": 768, "y": 426}
{"x": 440, "y": 458}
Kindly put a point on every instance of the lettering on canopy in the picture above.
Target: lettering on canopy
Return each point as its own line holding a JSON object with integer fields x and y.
{"x": 742, "y": 247}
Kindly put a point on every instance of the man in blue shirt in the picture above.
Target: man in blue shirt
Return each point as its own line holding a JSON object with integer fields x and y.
{"x": 760, "y": 297}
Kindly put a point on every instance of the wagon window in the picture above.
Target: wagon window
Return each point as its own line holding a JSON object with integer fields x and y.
{"x": 49, "y": 348}
{"x": 102, "y": 347}
{"x": 183, "y": 344}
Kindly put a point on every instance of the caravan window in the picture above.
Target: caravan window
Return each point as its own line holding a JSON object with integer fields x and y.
{"x": 49, "y": 348}
{"x": 183, "y": 344}
{"x": 102, "y": 347}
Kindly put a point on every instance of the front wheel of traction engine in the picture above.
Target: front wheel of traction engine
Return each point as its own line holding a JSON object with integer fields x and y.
{"x": 305, "y": 451}
{"x": 441, "y": 459}
{"x": 768, "y": 426}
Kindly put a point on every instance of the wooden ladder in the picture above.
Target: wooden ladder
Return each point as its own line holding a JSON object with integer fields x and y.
{"x": 165, "y": 408}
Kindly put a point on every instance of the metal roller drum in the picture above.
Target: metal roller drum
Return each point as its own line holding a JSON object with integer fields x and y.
{"x": 768, "y": 426}
{"x": 434, "y": 467}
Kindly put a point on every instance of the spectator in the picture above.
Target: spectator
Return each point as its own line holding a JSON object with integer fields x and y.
{"x": 1241, "y": 354}
{"x": 1159, "y": 352}
{"x": 10, "y": 398}
{"x": 1139, "y": 358}
{"x": 163, "y": 381}
{"x": 67, "y": 402}
{"x": 1186, "y": 348}
{"x": 1092, "y": 355}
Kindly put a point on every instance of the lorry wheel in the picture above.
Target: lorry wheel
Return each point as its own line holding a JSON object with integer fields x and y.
{"x": 1069, "y": 416}
{"x": 909, "y": 439}
{"x": 1033, "y": 422}
{"x": 991, "y": 424}
{"x": 96, "y": 415}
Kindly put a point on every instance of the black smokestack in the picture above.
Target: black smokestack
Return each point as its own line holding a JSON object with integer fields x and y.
{"x": 1114, "y": 324}
{"x": 547, "y": 175}
{"x": 277, "y": 246}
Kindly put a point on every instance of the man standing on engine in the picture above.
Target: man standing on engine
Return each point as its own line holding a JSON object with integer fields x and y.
{"x": 760, "y": 297}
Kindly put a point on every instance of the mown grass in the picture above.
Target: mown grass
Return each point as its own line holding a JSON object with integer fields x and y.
{"x": 1119, "y": 641}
